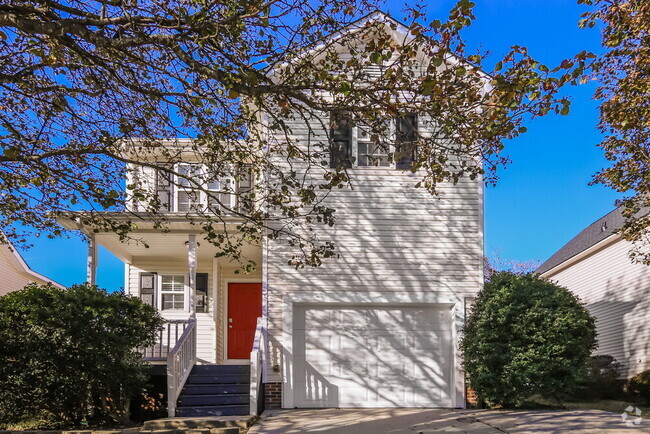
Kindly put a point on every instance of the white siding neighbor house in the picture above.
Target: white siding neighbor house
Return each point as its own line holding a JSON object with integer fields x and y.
{"x": 15, "y": 272}
{"x": 376, "y": 326}
{"x": 596, "y": 266}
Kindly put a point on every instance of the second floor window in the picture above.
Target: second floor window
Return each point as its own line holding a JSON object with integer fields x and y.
{"x": 357, "y": 145}
{"x": 196, "y": 190}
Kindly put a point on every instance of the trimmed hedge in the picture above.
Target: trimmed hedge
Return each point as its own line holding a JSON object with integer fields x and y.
{"x": 526, "y": 336}
{"x": 69, "y": 355}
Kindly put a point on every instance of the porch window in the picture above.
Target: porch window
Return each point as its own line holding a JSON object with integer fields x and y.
{"x": 172, "y": 290}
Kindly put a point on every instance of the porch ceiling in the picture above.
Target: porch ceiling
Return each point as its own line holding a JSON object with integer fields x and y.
{"x": 146, "y": 241}
{"x": 161, "y": 245}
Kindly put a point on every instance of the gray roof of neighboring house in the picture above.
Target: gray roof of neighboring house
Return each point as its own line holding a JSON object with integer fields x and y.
{"x": 592, "y": 234}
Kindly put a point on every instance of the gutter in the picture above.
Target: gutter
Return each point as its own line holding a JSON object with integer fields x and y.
{"x": 582, "y": 255}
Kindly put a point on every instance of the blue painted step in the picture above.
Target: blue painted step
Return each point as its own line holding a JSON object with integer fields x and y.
{"x": 221, "y": 369}
{"x": 215, "y": 390}
{"x": 220, "y": 379}
{"x": 223, "y": 399}
{"x": 223, "y": 410}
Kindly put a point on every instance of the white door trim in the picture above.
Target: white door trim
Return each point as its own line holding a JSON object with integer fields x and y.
{"x": 455, "y": 303}
{"x": 224, "y": 320}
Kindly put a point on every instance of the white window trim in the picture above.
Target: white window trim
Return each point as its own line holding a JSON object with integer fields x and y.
{"x": 203, "y": 196}
{"x": 161, "y": 292}
{"x": 392, "y": 137}
{"x": 355, "y": 148}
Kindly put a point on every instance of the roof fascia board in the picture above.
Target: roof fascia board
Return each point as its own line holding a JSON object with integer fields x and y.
{"x": 582, "y": 255}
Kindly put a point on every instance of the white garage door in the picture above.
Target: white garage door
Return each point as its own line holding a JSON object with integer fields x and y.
{"x": 362, "y": 356}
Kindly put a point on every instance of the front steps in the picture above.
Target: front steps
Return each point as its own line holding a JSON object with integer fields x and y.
{"x": 215, "y": 390}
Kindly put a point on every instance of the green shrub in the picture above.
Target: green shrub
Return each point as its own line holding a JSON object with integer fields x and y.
{"x": 526, "y": 336}
{"x": 639, "y": 386}
{"x": 69, "y": 354}
{"x": 601, "y": 379}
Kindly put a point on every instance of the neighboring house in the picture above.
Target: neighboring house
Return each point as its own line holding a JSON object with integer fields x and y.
{"x": 15, "y": 272}
{"x": 378, "y": 326}
{"x": 596, "y": 266}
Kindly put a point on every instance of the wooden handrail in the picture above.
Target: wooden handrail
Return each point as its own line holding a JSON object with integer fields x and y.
{"x": 180, "y": 361}
{"x": 257, "y": 367}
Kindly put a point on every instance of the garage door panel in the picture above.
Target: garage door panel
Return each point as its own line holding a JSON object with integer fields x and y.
{"x": 372, "y": 356}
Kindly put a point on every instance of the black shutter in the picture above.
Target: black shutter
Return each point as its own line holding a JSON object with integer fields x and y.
{"x": 244, "y": 190}
{"x": 340, "y": 142}
{"x": 148, "y": 283}
{"x": 164, "y": 187}
{"x": 407, "y": 135}
{"x": 202, "y": 292}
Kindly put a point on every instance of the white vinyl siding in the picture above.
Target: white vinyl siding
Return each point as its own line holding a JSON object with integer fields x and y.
{"x": 206, "y": 326}
{"x": 617, "y": 292}
{"x": 391, "y": 238}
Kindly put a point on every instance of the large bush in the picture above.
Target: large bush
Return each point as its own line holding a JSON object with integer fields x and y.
{"x": 68, "y": 355}
{"x": 639, "y": 386}
{"x": 526, "y": 336}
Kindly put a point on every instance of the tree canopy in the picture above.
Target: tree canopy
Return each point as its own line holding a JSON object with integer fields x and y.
{"x": 624, "y": 94}
{"x": 89, "y": 86}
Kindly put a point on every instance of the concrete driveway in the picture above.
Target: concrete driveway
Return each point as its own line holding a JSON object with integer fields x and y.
{"x": 409, "y": 420}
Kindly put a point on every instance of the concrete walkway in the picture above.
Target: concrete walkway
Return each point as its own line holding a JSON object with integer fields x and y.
{"x": 412, "y": 421}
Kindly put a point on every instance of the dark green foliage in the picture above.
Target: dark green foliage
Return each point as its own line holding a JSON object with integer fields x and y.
{"x": 526, "y": 336}
{"x": 639, "y": 386}
{"x": 68, "y": 355}
{"x": 601, "y": 379}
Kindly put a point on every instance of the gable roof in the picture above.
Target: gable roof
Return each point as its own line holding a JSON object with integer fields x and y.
{"x": 596, "y": 232}
{"x": 19, "y": 263}
{"x": 376, "y": 16}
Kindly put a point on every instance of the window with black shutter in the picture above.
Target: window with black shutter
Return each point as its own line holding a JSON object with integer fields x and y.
{"x": 405, "y": 140}
{"x": 340, "y": 142}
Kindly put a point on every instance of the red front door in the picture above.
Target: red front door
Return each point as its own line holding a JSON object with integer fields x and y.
{"x": 244, "y": 307}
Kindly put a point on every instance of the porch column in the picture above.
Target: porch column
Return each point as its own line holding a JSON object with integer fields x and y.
{"x": 91, "y": 261}
{"x": 191, "y": 259}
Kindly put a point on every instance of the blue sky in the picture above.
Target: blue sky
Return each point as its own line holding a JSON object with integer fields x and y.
{"x": 542, "y": 199}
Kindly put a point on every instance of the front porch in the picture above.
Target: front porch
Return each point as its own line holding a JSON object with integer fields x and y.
{"x": 212, "y": 314}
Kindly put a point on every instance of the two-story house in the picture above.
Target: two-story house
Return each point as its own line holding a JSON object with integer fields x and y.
{"x": 375, "y": 326}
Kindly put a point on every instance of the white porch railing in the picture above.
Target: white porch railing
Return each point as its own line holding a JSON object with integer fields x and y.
{"x": 180, "y": 361}
{"x": 166, "y": 338}
{"x": 257, "y": 366}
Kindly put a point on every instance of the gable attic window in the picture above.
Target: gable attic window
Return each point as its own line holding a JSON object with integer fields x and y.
{"x": 354, "y": 145}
